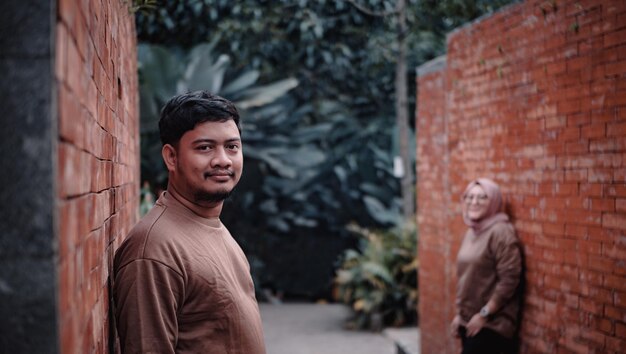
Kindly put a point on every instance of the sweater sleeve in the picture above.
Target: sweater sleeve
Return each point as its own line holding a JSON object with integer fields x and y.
{"x": 508, "y": 265}
{"x": 147, "y": 295}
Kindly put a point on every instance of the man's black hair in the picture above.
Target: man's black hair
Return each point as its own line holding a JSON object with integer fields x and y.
{"x": 183, "y": 112}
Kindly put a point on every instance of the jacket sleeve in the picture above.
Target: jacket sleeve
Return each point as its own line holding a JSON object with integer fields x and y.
{"x": 508, "y": 258}
{"x": 147, "y": 295}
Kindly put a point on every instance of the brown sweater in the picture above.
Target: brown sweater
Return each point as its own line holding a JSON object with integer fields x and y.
{"x": 183, "y": 285}
{"x": 489, "y": 267}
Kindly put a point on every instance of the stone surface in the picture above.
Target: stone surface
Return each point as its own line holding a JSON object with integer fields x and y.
{"x": 407, "y": 339}
{"x": 317, "y": 329}
{"x": 27, "y": 244}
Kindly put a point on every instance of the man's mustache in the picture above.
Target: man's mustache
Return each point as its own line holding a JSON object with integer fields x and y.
{"x": 218, "y": 172}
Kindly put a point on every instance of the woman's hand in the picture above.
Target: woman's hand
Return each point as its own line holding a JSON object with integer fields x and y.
{"x": 475, "y": 324}
{"x": 454, "y": 326}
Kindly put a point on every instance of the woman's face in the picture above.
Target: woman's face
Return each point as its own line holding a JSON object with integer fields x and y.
{"x": 476, "y": 203}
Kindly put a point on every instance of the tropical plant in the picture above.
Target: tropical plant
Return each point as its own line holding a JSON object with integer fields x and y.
{"x": 379, "y": 280}
{"x": 332, "y": 48}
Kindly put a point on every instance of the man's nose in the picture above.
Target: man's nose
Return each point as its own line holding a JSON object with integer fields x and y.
{"x": 221, "y": 158}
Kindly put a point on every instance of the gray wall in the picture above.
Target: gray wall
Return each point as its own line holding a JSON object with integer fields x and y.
{"x": 28, "y": 320}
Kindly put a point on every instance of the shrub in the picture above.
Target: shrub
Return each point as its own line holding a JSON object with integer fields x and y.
{"x": 379, "y": 281}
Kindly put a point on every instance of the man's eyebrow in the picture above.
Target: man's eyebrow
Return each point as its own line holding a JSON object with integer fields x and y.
{"x": 213, "y": 141}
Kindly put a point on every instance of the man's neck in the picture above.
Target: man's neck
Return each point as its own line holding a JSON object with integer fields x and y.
{"x": 204, "y": 209}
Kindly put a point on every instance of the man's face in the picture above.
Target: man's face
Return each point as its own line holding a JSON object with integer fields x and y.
{"x": 209, "y": 162}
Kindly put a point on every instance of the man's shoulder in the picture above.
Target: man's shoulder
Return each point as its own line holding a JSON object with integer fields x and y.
{"x": 150, "y": 238}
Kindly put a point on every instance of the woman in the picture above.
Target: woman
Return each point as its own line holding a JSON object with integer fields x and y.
{"x": 489, "y": 269}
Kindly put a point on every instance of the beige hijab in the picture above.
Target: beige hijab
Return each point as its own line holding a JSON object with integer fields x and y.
{"x": 494, "y": 212}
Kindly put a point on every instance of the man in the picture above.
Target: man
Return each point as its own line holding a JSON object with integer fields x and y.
{"x": 182, "y": 284}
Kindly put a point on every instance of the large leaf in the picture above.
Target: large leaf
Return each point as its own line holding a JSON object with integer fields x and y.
{"x": 203, "y": 72}
{"x": 160, "y": 69}
{"x": 376, "y": 270}
{"x": 263, "y": 95}
{"x": 378, "y": 211}
{"x": 241, "y": 83}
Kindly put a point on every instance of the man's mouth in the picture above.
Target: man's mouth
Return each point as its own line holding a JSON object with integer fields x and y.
{"x": 218, "y": 174}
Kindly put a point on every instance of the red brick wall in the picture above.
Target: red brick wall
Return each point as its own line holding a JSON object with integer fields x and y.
{"x": 533, "y": 97}
{"x": 98, "y": 161}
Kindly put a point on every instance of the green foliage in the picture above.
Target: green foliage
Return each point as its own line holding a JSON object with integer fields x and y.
{"x": 334, "y": 50}
{"x": 379, "y": 281}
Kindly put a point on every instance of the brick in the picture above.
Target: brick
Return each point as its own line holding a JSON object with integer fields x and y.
{"x": 603, "y": 115}
{"x": 613, "y": 282}
{"x": 578, "y": 63}
{"x": 570, "y": 133}
{"x": 617, "y": 345}
{"x": 590, "y": 246}
{"x": 576, "y": 175}
{"x": 566, "y": 107}
{"x": 556, "y": 122}
{"x": 615, "y": 38}
{"x": 616, "y": 129}
{"x": 615, "y": 190}
{"x": 619, "y": 298}
{"x": 620, "y": 330}
{"x": 605, "y": 145}
{"x": 600, "y": 175}
{"x": 71, "y": 126}
{"x": 576, "y": 230}
{"x": 593, "y": 131}
{"x": 596, "y": 338}
{"x": 615, "y": 68}
{"x": 577, "y": 147}
{"x": 578, "y": 119}
{"x": 617, "y": 221}
{"x": 598, "y": 204}
{"x": 620, "y": 205}
{"x": 600, "y": 264}
{"x": 615, "y": 313}
{"x": 621, "y": 52}
{"x": 603, "y": 325}
{"x": 554, "y": 229}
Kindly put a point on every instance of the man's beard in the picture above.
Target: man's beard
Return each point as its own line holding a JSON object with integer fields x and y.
{"x": 206, "y": 197}
{"x": 202, "y": 196}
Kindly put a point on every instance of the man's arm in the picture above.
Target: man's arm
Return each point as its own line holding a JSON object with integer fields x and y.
{"x": 147, "y": 294}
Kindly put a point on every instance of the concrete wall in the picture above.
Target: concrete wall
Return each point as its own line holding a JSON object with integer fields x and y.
{"x": 533, "y": 97}
{"x": 69, "y": 151}
{"x": 27, "y": 144}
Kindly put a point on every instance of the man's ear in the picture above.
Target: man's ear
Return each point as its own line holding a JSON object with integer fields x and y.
{"x": 169, "y": 157}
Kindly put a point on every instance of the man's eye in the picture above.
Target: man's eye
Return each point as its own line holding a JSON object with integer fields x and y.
{"x": 203, "y": 147}
{"x": 233, "y": 147}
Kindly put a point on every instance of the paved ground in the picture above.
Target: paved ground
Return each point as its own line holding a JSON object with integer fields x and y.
{"x": 318, "y": 329}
